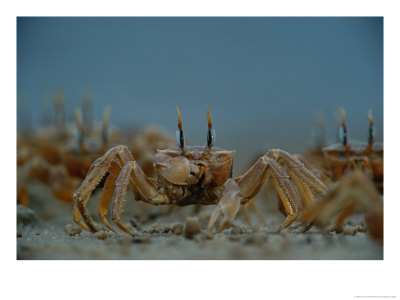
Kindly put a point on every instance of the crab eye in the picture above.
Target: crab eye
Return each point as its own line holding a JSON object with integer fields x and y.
{"x": 210, "y": 137}
{"x": 179, "y": 138}
{"x": 179, "y": 133}
{"x": 371, "y": 134}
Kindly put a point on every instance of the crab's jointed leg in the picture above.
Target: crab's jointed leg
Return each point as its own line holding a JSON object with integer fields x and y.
{"x": 146, "y": 189}
{"x": 355, "y": 191}
{"x": 293, "y": 182}
{"x": 115, "y": 188}
{"x": 228, "y": 205}
{"x": 256, "y": 211}
{"x": 96, "y": 173}
{"x": 108, "y": 190}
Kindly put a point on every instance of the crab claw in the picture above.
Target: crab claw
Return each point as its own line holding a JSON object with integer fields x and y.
{"x": 228, "y": 205}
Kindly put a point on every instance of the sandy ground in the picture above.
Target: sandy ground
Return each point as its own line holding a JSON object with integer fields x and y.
{"x": 46, "y": 231}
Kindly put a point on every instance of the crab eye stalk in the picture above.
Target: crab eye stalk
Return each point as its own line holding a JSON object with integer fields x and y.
{"x": 210, "y": 133}
{"x": 210, "y": 137}
{"x": 179, "y": 138}
{"x": 371, "y": 131}
{"x": 343, "y": 129}
{"x": 179, "y": 133}
{"x": 105, "y": 125}
{"x": 79, "y": 126}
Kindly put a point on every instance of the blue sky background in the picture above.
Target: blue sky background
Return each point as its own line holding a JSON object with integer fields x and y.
{"x": 264, "y": 78}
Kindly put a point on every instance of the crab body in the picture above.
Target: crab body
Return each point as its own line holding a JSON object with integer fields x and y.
{"x": 194, "y": 177}
{"x": 340, "y": 160}
{"x": 345, "y": 157}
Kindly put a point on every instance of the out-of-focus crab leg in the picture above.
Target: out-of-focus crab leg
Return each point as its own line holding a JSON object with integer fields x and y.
{"x": 98, "y": 170}
{"x": 145, "y": 186}
{"x": 22, "y": 197}
{"x": 343, "y": 215}
{"x": 256, "y": 211}
{"x": 107, "y": 194}
{"x": 354, "y": 191}
{"x": 104, "y": 126}
{"x": 246, "y": 214}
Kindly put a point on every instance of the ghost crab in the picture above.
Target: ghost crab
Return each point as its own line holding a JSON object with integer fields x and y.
{"x": 60, "y": 155}
{"x": 194, "y": 175}
{"x": 355, "y": 191}
{"x": 344, "y": 157}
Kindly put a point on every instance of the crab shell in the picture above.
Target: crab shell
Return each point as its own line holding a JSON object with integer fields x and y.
{"x": 341, "y": 160}
{"x": 194, "y": 166}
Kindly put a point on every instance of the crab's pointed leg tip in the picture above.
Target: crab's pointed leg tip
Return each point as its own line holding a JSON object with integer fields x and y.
{"x": 225, "y": 223}
{"x": 213, "y": 218}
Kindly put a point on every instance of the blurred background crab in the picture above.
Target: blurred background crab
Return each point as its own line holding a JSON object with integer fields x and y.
{"x": 60, "y": 153}
{"x": 353, "y": 193}
{"x": 356, "y": 170}
{"x": 345, "y": 156}
{"x": 339, "y": 158}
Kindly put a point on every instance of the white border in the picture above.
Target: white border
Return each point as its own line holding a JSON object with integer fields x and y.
{"x": 199, "y": 280}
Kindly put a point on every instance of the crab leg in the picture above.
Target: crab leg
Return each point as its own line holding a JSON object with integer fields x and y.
{"x": 343, "y": 215}
{"x": 246, "y": 215}
{"x": 305, "y": 192}
{"x": 119, "y": 197}
{"x": 306, "y": 176}
{"x": 323, "y": 175}
{"x": 108, "y": 192}
{"x": 304, "y": 179}
{"x": 250, "y": 184}
{"x": 97, "y": 171}
{"x": 145, "y": 186}
{"x": 239, "y": 190}
{"x": 256, "y": 211}
{"x": 287, "y": 191}
{"x": 285, "y": 188}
